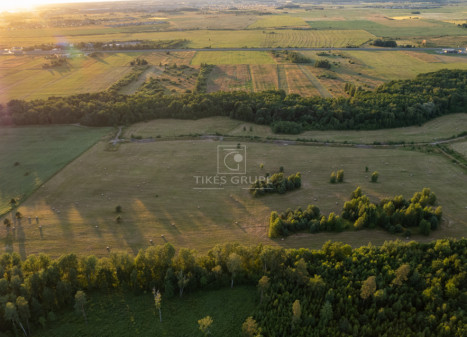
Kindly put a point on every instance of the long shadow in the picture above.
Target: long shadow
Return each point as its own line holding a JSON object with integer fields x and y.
{"x": 9, "y": 241}
{"x": 21, "y": 237}
{"x": 98, "y": 59}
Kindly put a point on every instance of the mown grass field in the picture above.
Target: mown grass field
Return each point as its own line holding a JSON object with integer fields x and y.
{"x": 435, "y": 130}
{"x": 278, "y": 21}
{"x": 155, "y": 184}
{"x": 215, "y": 38}
{"x": 40, "y": 152}
{"x": 134, "y": 315}
{"x": 23, "y": 77}
{"x": 232, "y": 57}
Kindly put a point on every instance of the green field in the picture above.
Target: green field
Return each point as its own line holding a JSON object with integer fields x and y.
{"x": 394, "y": 28}
{"x": 134, "y": 315}
{"x": 40, "y": 152}
{"x": 23, "y": 77}
{"x": 156, "y": 186}
{"x": 387, "y": 65}
{"x": 232, "y": 57}
{"x": 435, "y": 130}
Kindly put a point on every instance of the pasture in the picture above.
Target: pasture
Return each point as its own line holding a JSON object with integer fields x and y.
{"x": 156, "y": 185}
{"x": 38, "y": 152}
{"x": 23, "y": 77}
{"x": 126, "y": 314}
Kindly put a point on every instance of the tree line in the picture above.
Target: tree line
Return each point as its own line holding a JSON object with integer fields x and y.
{"x": 396, "y": 215}
{"x": 411, "y": 289}
{"x": 277, "y": 183}
{"x": 394, "y": 104}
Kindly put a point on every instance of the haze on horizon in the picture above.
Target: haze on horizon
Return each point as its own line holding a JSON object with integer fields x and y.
{"x": 19, "y": 5}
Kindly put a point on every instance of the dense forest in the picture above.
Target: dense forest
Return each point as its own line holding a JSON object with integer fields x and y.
{"x": 398, "y": 289}
{"x": 394, "y": 104}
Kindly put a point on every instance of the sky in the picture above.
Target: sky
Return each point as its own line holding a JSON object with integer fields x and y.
{"x": 16, "y": 5}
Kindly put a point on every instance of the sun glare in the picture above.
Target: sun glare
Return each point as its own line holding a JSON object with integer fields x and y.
{"x": 19, "y": 5}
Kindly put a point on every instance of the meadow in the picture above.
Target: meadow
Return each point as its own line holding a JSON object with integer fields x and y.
{"x": 126, "y": 314}
{"x": 435, "y": 130}
{"x": 155, "y": 184}
{"x": 40, "y": 152}
{"x": 23, "y": 77}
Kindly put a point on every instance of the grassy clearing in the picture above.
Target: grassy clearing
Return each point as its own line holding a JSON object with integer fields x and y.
{"x": 278, "y": 21}
{"x": 154, "y": 183}
{"x": 40, "y": 152}
{"x": 232, "y": 57}
{"x": 23, "y": 77}
{"x": 134, "y": 315}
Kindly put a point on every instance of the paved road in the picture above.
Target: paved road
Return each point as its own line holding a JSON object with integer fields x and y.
{"x": 49, "y": 52}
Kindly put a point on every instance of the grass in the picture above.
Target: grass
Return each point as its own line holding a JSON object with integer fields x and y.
{"x": 461, "y": 148}
{"x": 232, "y": 57}
{"x": 155, "y": 184}
{"x": 403, "y": 64}
{"x": 23, "y": 77}
{"x": 125, "y": 314}
{"x": 438, "y": 129}
{"x": 40, "y": 152}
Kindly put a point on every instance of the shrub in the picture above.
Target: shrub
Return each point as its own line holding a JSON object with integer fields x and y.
{"x": 374, "y": 177}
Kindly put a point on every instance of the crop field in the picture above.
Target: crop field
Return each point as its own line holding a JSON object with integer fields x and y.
{"x": 232, "y": 57}
{"x": 155, "y": 184}
{"x": 162, "y": 58}
{"x": 29, "y": 156}
{"x": 230, "y": 78}
{"x": 279, "y": 21}
{"x": 264, "y": 77}
{"x": 297, "y": 82}
{"x": 129, "y": 315}
{"x": 22, "y": 77}
{"x": 217, "y": 38}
